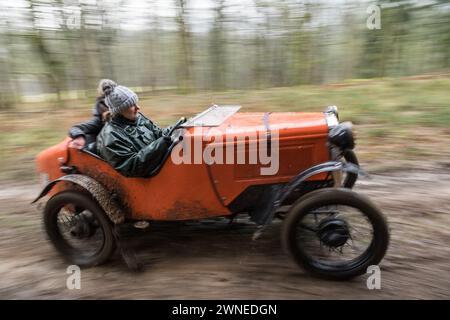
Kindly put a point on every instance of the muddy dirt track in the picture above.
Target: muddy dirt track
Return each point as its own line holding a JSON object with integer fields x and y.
{"x": 212, "y": 260}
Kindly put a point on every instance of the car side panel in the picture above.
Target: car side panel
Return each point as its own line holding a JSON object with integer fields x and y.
{"x": 177, "y": 192}
{"x": 302, "y": 144}
{"x": 197, "y": 190}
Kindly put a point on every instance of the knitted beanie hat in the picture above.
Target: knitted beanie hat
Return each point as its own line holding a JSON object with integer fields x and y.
{"x": 104, "y": 83}
{"x": 118, "y": 98}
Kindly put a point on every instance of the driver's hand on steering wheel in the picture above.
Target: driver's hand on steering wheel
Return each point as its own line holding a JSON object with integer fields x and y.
{"x": 170, "y": 139}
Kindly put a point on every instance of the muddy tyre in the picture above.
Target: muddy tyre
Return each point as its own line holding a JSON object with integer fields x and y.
{"x": 319, "y": 235}
{"x": 79, "y": 228}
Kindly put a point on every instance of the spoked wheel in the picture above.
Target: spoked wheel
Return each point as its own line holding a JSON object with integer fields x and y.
{"x": 79, "y": 228}
{"x": 335, "y": 233}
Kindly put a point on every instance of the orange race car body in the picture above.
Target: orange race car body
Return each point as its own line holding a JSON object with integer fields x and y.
{"x": 200, "y": 190}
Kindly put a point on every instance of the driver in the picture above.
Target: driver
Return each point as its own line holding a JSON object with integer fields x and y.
{"x": 130, "y": 142}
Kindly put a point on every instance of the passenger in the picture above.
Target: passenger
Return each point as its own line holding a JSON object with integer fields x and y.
{"x": 130, "y": 142}
{"x": 86, "y": 132}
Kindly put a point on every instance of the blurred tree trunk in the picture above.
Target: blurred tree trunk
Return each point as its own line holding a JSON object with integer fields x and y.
{"x": 445, "y": 31}
{"x": 55, "y": 69}
{"x": 217, "y": 48}
{"x": 280, "y": 70}
{"x": 150, "y": 64}
{"x": 184, "y": 76}
{"x": 8, "y": 87}
{"x": 383, "y": 49}
{"x": 92, "y": 60}
{"x": 151, "y": 44}
{"x": 105, "y": 57}
{"x": 7, "y": 93}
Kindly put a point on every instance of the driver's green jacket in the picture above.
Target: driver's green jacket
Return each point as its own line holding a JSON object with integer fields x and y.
{"x": 134, "y": 148}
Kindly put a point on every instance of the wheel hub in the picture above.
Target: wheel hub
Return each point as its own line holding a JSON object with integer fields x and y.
{"x": 84, "y": 225}
{"x": 333, "y": 232}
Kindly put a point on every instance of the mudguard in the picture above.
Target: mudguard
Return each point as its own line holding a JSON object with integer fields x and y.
{"x": 282, "y": 193}
{"x": 331, "y": 166}
{"x": 98, "y": 192}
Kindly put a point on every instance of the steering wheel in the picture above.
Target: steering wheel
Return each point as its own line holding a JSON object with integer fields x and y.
{"x": 176, "y": 126}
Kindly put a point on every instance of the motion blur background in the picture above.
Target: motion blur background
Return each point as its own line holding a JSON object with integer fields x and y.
{"x": 385, "y": 64}
{"x": 183, "y": 55}
{"x": 62, "y": 48}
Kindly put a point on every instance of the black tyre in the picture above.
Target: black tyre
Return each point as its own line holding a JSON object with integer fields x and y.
{"x": 321, "y": 229}
{"x": 350, "y": 178}
{"x": 79, "y": 228}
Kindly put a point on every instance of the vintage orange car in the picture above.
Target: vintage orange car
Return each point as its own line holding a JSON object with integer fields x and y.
{"x": 296, "y": 166}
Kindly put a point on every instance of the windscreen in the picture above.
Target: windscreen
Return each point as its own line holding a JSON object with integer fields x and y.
{"x": 212, "y": 117}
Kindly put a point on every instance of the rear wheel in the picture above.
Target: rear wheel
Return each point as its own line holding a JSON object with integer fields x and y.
{"x": 79, "y": 228}
{"x": 335, "y": 233}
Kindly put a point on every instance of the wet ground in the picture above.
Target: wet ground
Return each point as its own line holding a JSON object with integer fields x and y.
{"x": 213, "y": 260}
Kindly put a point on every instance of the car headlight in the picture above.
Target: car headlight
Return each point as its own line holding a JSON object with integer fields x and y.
{"x": 333, "y": 110}
{"x": 331, "y": 116}
{"x": 342, "y": 136}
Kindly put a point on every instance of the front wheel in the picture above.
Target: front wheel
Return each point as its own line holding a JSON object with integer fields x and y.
{"x": 335, "y": 233}
{"x": 79, "y": 228}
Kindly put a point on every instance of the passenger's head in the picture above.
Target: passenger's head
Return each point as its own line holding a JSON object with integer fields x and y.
{"x": 104, "y": 83}
{"x": 121, "y": 100}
